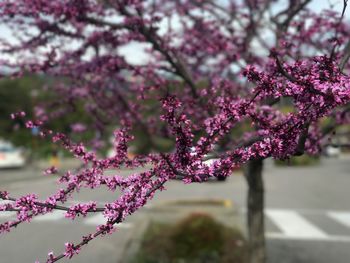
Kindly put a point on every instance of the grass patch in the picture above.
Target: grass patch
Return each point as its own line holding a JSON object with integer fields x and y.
{"x": 196, "y": 239}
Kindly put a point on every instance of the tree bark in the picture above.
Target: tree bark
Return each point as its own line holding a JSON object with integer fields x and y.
{"x": 255, "y": 213}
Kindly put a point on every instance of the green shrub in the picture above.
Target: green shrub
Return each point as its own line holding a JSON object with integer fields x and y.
{"x": 196, "y": 239}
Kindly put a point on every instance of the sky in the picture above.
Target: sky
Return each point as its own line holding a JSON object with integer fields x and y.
{"x": 133, "y": 52}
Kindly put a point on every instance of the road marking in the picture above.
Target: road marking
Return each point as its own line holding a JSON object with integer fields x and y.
{"x": 124, "y": 225}
{"x": 4, "y": 202}
{"x": 294, "y": 225}
{"x": 5, "y": 214}
{"x": 335, "y": 238}
{"x": 100, "y": 219}
{"x": 341, "y": 217}
{"x": 53, "y": 216}
{"x": 95, "y": 220}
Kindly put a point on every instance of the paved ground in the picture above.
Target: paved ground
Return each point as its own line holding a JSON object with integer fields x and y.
{"x": 307, "y": 216}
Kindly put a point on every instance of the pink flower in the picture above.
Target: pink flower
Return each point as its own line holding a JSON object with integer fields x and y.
{"x": 71, "y": 250}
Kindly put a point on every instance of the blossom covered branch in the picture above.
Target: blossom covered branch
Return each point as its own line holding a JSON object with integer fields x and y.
{"x": 209, "y": 71}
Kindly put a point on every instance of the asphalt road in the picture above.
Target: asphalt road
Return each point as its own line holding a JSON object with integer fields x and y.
{"x": 307, "y": 215}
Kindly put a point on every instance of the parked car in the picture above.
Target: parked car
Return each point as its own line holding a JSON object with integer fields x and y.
{"x": 11, "y": 157}
{"x": 209, "y": 162}
{"x": 332, "y": 151}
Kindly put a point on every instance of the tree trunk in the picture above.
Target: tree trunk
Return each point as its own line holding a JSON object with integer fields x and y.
{"x": 255, "y": 214}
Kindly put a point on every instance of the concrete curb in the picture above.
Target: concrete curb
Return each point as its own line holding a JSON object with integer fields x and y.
{"x": 194, "y": 202}
{"x": 133, "y": 245}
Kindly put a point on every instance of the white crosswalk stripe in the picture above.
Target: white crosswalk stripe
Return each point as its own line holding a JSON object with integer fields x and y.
{"x": 58, "y": 216}
{"x": 100, "y": 219}
{"x": 6, "y": 214}
{"x": 4, "y": 202}
{"x": 341, "y": 217}
{"x": 96, "y": 220}
{"x": 292, "y": 224}
{"x": 295, "y": 226}
{"x": 332, "y": 238}
{"x": 53, "y": 216}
